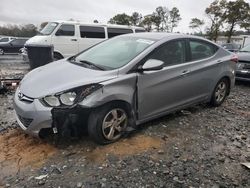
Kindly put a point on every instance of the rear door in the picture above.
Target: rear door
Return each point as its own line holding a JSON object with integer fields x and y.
{"x": 90, "y": 35}
{"x": 203, "y": 67}
{"x": 65, "y": 40}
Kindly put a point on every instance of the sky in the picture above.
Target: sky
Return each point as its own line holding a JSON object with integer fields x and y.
{"x": 36, "y": 12}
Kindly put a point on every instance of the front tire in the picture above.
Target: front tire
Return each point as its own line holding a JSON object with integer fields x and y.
{"x": 107, "y": 124}
{"x": 1, "y": 51}
{"x": 220, "y": 92}
{"x": 57, "y": 57}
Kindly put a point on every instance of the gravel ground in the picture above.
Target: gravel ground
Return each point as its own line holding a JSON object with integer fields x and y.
{"x": 197, "y": 147}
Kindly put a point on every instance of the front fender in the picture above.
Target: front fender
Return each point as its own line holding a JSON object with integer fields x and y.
{"x": 122, "y": 88}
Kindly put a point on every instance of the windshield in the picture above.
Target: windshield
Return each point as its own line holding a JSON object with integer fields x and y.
{"x": 4, "y": 40}
{"x": 245, "y": 49}
{"x": 115, "y": 53}
{"x": 49, "y": 28}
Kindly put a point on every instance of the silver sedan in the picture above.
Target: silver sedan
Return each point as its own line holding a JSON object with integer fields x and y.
{"x": 123, "y": 82}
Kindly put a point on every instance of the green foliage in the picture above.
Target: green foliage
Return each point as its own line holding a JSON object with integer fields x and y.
{"x": 196, "y": 24}
{"x": 120, "y": 19}
{"x": 160, "y": 18}
{"x": 229, "y": 13}
{"x": 136, "y": 18}
{"x": 28, "y": 30}
{"x": 43, "y": 24}
{"x": 175, "y": 17}
{"x": 235, "y": 12}
{"x": 147, "y": 23}
{"x": 214, "y": 13}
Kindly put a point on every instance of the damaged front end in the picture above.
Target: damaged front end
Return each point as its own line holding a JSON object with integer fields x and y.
{"x": 69, "y": 119}
{"x": 69, "y": 122}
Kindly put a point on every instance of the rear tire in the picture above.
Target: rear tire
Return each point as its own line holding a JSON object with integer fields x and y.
{"x": 107, "y": 124}
{"x": 220, "y": 92}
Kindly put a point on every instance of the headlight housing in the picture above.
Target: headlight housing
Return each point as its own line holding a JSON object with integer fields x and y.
{"x": 70, "y": 97}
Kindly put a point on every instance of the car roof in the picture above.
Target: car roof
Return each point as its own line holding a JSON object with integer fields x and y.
{"x": 99, "y": 24}
{"x": 163, "y": 35}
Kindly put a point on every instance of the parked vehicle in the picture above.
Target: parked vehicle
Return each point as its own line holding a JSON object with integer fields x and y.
{"x": 232, "y": 47}
{"x": 6, "y": 39}
{"x": 243, "y": 67}
{"x": 70, "y": 37}
{"x": 123, "y": 82}
{"x": 13, "y": 46}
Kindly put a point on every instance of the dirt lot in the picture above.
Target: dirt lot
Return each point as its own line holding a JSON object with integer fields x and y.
{"x": 196, "y": 147}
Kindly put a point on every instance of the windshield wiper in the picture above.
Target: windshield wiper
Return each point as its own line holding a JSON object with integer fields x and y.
{"x": 92, "y": 64}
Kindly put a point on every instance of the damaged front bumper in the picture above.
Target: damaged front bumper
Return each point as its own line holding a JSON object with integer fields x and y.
{"x": 31, "y": 115}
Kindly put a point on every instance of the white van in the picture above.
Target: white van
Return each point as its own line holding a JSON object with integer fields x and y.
{"x": 72, "y": 37}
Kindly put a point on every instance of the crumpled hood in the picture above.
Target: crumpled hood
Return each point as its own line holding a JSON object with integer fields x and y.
{"x": 244, "y": 56}
{"x": 60, "y": 76}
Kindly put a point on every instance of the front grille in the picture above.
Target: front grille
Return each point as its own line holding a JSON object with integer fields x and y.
{"x": 25, "y": 121}
{"x": 247, "y": 66}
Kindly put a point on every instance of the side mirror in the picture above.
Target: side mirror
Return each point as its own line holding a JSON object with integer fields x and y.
{"x": 152, "y": 65}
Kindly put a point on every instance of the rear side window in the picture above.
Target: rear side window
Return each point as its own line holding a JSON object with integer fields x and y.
{"x": 112, "y": 32}
{"x": 92, "y": 32}
{"x": 66, "y": 30}
{"x": 201, "y": 50}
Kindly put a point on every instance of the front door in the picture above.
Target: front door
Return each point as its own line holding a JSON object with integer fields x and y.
{"x": 65, "y": 40}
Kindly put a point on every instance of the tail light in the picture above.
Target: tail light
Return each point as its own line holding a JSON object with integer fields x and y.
{"x": 234, "y": 58}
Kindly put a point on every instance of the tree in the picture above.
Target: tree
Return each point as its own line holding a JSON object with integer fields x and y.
{"x": 174, "y": 18}
{"x": 43, "y": 24}
{"x": 196, "y": 24}
{"x": 147, "y": 23}
{"x": 121, "y": 19}
{"x": 235, "y": 12}
{"x": 28, "y": 30}
{"x": 136, "y": 18}
{"x": 214, "y": 13}
{"x": 160, "y": 18}
{"x": 246, "y": 24}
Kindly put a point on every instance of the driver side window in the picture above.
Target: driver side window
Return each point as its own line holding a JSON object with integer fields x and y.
{"x": 171, "y": 53}
{"x": 66, "y": 30}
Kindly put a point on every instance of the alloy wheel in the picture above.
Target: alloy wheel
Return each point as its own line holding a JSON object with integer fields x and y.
{"x": 114, "y": 123}
{"x": 220, "y": 92}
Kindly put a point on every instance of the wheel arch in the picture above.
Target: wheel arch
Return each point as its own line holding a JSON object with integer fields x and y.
{"x": 58, "y": 53}
{"x": 229, "y": 83}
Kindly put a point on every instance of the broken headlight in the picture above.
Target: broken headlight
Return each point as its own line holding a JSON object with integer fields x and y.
{"x": 70, "y": 97}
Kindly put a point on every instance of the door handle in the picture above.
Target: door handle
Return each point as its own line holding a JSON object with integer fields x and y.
{"x": 185, "y": 72}
{"x": 73, "y": 39}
